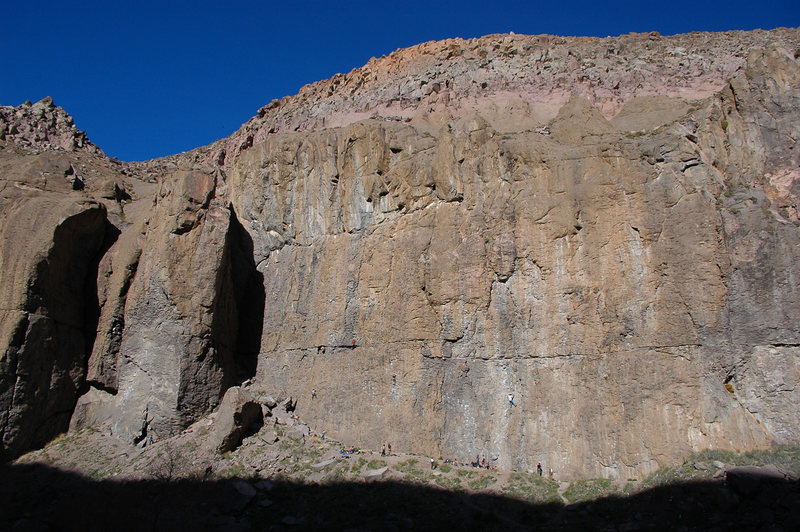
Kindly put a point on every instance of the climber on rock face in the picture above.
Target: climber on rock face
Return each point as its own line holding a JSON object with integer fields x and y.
{"x": 511, "y": 399}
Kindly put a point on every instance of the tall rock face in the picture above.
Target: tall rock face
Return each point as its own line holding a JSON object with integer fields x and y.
{"x": 181, "y": 339}
{"x": 629, "y": 276}
{"x": 59, "y": 214}
{"x": 603, "y": 232}
{"x": 46, "y": 316}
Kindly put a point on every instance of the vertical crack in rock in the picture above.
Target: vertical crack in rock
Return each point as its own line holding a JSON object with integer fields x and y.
{"x": 103, "y": 364}
{"x": 239, "y": 311}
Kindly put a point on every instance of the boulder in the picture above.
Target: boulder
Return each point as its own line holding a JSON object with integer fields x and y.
{"x": 375, "y": 473}
{"x": 324, "y": 463}
{"x": 237, "y": 417}
{"x": 268, "y": 435}
{"x": 297, "y": 432}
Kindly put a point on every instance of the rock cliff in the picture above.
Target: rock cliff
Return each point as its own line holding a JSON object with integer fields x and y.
{"x": 605, "y": 228}
{"x": 61, "y": 208}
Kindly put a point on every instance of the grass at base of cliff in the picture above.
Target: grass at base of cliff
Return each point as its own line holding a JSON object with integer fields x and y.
{"x": 449, "y": 483}
{"x": 785, "y": 456}
{"x": 532, "y": 488}
{"x": 483, "y": 481}
{"x": 358, "y": 465}
{"x": 590, "y": 488}
{"x": 408, "y": 466}
{"x": 376, "y": 464}
{"x": 701, "y": 466}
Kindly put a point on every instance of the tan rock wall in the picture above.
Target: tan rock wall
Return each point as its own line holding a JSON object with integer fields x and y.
{"x": 613, "y": 275}
{"x": 591, "y": 273}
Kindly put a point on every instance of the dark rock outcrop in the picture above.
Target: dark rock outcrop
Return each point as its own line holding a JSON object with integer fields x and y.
{"x": 53, "y": 237}
{"x": 47, "y": 327}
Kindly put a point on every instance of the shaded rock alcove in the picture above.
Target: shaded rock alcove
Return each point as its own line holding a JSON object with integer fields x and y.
{"x": 44, "y": 369}
{"x": 240, "y": 316}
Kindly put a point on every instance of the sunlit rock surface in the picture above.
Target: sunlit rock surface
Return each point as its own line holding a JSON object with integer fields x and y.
{"x": 605, "y": 228}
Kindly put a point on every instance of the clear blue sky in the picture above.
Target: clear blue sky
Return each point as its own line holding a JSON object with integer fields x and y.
{"x": 146, "y": 79}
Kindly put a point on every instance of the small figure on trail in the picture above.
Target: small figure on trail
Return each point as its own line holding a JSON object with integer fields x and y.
{"x": 483, "y": 463}
{"x": 511, "y": 399}
{"x": 394, "y": 378}
{"x": 539, "y": 469}
{"x": 550, "y": 474}
{"x": 390, "y": 448}
{"x": 313, "y": 393}
{"x": 383, "y": 450}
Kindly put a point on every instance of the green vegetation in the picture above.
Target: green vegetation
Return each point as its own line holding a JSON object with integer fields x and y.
{"x": 590, "y": 488}
{"x": 235, "y": 470}
{"x": 338, "y": 475}
{"x": 483, "y": 481}
{"x": 409, "y": 466}
{"x": 466, "y": 473}
{"x": 532, "y": 488}
{"x": 701, "y": 466}
{"x": 449, "y": 483}
{"x": 787, "y": 457}
{"x": 376, "y": 464}
{"x": 358, "y": 465}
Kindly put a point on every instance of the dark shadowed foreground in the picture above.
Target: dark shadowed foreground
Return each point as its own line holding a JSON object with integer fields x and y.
{"x": 42, "y": 498}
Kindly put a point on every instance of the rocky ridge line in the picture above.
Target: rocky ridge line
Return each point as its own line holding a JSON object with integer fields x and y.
{"x": 42, "y": 126}
{"x": 526, "y": 76}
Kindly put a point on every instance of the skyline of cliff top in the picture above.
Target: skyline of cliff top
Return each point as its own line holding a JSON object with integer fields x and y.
{"x": 149, "y": 81}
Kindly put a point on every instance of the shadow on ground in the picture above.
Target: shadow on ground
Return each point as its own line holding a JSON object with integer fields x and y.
{"x": 37, "y": 497}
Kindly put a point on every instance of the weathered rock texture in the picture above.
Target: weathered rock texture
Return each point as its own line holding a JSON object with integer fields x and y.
{"x": 55, "y": 226}
{"x": 612, "y": 275}
{"x": 42, "y": 126}
{"x": 605, "y": 228}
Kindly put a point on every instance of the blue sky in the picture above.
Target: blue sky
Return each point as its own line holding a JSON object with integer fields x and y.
{"x": 146, "y": 79}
